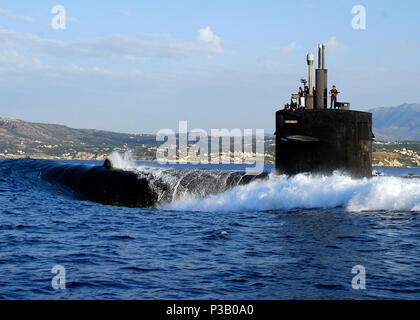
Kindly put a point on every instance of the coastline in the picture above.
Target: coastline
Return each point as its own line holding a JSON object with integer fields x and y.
{"x": 380, "y": 159}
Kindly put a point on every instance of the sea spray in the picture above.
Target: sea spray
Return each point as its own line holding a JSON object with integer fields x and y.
{"x": 311, "y": 191}
{"x": 225, "y": 190}
{"x": 170, "y": 184}
{"x": 123, "y": 162}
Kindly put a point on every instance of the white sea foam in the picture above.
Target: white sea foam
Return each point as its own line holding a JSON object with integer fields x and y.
{"x": 276, "y": 192}
{"x": 124, "y": 162}
{"x": 310, "y": 191}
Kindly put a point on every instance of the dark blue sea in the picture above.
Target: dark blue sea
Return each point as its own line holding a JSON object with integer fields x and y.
{"x": 281, "y": 238}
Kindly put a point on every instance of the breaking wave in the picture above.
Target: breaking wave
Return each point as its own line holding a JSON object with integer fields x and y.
{"x": 311, "y": 191}
{"x": 123, "y": 162}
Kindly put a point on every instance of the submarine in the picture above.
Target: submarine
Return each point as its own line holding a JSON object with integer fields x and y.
{"x": 143, "y": 188}
{"x": 312, "y": 138}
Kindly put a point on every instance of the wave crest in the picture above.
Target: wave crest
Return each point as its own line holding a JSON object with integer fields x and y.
{"x": 311, "y": 191}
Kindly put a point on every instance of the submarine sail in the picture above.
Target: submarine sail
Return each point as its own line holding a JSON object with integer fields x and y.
{"x": 312, "y": 138}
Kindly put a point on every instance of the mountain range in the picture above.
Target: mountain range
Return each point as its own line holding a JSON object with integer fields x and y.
{"x": 400, "y": 123}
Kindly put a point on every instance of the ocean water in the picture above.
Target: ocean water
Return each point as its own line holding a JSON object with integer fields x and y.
{"x": 279, "y": 238}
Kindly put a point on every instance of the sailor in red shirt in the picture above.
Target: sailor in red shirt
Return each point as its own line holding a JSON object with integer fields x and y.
{"x": 334, "y": 94}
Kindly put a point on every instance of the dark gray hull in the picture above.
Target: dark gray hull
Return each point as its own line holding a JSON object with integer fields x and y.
{"x": 324, "y": 140}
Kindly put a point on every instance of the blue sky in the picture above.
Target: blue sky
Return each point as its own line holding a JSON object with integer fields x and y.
{"x": 139, "y": 66}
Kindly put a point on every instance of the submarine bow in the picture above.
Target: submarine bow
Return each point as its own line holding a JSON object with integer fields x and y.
{"x": 141, "y": 186}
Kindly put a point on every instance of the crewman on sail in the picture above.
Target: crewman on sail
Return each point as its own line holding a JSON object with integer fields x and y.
{"x": 334, "y": 94}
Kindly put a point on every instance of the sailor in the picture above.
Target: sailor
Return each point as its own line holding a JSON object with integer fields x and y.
{"x": 334, "y": 94}
{"x": 300, "y": 92}
{"x": 300, "y": 100}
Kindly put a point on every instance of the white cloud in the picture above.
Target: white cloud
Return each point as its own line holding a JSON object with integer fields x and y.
{"x": 334, "y": 45}
{"x": 210, "y": 41}
{"x": 288, "y": 48}
{"x": 8, "y": 13}
{"x": 115, "y": 46}
{"x": 13, "y": 63}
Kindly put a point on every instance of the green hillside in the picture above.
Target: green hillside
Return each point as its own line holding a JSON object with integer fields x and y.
{"x": 37, "y": 140}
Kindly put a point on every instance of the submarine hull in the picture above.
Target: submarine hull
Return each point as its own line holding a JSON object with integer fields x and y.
{"x": 323, "y": 141}
{"x": 102, "y": 185}
{"x": 145, "y": 188}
